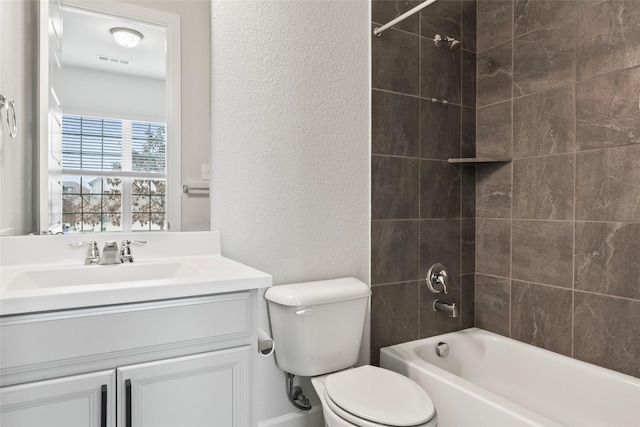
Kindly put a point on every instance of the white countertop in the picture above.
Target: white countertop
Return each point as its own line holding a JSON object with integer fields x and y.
{"x": 27, "y": 287}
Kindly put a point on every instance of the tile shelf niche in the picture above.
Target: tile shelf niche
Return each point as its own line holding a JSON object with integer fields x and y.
{"x": 478, "y": 160}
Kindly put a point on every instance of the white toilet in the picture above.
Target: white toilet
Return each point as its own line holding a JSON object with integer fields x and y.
{"x": 317, "y": 327}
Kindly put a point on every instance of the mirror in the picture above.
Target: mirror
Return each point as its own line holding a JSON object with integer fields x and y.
{"x": 109, "y": 129}
{"x": 68, "y": 200}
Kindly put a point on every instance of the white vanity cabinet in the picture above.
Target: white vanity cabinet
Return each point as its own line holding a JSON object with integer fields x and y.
{"x": 177, "y": 362}
{"x": 77, "y": 401}
{"x": 199, "y": 390}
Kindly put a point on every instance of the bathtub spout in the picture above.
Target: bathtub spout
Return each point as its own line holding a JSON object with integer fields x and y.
{"x": 450, "y": 309}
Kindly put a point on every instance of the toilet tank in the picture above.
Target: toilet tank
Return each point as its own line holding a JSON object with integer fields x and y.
{"x": 317, "y": 326}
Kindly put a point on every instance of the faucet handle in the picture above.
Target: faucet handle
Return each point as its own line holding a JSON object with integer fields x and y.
{"x": 129, "y": 242}
{"x": 93, "y": 253}
{"x": 125, "y": 249}
{"x": 437, "y": 275}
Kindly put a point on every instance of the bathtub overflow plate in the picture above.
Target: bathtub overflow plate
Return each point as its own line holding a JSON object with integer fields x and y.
{"x": 442, "y": 349}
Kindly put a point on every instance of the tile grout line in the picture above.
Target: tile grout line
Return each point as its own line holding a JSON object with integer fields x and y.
{"x": 420, "y": 290}
{"x": 475, "y": 174}
{"x": 421, "y": 97}
{"x": 460, "y": 174}
{"x": 575, "y": 187}
{"x": 513, "y": 13}
{"x": 460, "y": 184}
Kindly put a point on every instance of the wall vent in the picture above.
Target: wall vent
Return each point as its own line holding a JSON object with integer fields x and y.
{"x": 107, "y": 58}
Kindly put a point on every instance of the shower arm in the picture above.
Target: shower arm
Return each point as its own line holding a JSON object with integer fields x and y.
{"x": 378, "y": 30}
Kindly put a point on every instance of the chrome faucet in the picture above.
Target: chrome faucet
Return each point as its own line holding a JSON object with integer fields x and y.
{"x": 93, "y": 253}
{"x": 125, "y": 249}
{"x": 110, "y": 254}
{"x": 450, "y": 309}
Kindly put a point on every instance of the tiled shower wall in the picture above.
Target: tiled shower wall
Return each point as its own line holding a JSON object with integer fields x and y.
{"x": 423, "y": 208}
{"x": 558, "y": 228}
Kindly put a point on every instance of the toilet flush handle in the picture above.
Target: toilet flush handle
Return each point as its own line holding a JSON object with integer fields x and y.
{"x": 305, "y": 312}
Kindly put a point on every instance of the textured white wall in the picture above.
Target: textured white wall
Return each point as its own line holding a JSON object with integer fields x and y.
{"x": 290, "y": 153}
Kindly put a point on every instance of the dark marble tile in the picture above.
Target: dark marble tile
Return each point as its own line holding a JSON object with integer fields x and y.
{"x": 468, "y": 85}
{"x": 608, "y": 184}
{"x": 606, "y": 332}
{"x": 492, "y": 304}
{"x": 395, "y": 124}
{"x": 439, "y": 189}
{"x": 543, "y": 123}
{"x": 541, "y": 316}
{"x": 468, "y": 132}
{"x": 395, "y": 62}
{"x": 608, "y": 37}
{"x": 468, "y": 191}
{"x": 608, "y": 258}
{"x": 495, "y": 74}
{"x": 394, "y": 187}
{"x": 442, "y": 17}
{"x": 440, "y": 242}
{"x": 467, "y": 301}
{"x": 394, "y": 251}
{"x": 383, "y": 11}
{"x": 543, "y": 187}
{"x": 495, "y": 23}
{"x": 394, "y": 315}
{"x": 607, "y": 112}
{"x": 493, "y": 198}
{"x": 543, "y": 252}
{"x": 545, "y": 58}
{"x": 493, "y": 130}
{"x": 493, "y": 247}
{"x": 468, "y": 246}
{"x": 440, "y": 72}
{"x": 530, "y": 15}
{"x": 439, "y": 131}
{"x": 433, "y": 322}
{"x": 469, "y": 25}
{"x": 374, "y": 356}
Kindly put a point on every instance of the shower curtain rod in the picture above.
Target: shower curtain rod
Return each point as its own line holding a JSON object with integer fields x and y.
{"x": 378, "y": 30}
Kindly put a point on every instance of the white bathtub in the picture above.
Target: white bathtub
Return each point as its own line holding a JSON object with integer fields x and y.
{"x": 494, "y": 381}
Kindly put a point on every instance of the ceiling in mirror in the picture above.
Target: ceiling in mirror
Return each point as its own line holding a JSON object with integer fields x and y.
{"x": 88, "y": 43}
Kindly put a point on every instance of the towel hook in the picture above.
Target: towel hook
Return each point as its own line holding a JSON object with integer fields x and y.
{"x": 12, "y": 123}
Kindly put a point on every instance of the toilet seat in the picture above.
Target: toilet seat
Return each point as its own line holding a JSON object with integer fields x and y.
{"x": 369, "y": 396}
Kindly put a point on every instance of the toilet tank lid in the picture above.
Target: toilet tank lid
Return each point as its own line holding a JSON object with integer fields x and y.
{"x": 319, "y": 292}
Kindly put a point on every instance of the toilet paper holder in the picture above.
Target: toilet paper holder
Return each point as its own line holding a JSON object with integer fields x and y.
{"x": 266, "y": 345}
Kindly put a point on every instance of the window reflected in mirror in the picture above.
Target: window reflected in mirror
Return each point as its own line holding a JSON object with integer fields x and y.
{"x": 113, "y": 174}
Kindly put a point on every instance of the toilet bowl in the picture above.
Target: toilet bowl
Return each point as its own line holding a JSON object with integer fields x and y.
{"x": 318, "y": 327}
{"x": 369, "y": 396}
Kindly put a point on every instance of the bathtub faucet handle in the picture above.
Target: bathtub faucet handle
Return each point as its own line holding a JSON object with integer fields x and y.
{"x": 437, "y": 276}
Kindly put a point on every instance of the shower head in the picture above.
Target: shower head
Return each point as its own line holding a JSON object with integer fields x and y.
{"x": 449, "y": 41}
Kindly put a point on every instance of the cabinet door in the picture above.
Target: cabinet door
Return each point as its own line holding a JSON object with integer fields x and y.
{"x": 77, "y": 401}
{"x": 203, "y": 390}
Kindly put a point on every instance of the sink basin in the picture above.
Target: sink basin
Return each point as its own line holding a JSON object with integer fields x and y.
{"x": 99, "y": 274}
{"x": 45, "y": 273}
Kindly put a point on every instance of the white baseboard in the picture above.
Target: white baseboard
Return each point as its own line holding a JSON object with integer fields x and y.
{"x": 311, "y": 418}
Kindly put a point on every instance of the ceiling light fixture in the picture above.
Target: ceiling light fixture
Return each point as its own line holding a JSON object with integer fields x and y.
{"x": 126, "y": 36}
